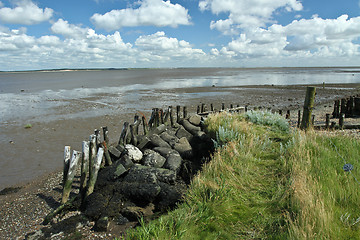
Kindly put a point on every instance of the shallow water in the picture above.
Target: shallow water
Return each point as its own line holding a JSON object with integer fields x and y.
{"x": 57, "y": 104}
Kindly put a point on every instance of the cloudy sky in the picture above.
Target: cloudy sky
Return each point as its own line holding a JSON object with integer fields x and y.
{"x": 39, "y": 34}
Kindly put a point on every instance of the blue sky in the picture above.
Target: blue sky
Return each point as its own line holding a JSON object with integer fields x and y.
{"x": 39, "y": 34}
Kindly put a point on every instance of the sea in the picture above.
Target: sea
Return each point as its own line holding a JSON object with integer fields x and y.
{"x": 45, "y": 96}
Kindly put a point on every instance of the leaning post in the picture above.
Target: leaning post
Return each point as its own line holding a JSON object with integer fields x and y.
{"x": 308, "y": 107}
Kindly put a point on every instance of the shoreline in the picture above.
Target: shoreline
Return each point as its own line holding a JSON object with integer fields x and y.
{"x": 24, "y": 210}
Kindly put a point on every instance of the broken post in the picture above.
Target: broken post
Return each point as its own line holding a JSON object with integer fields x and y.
{"x": 185, "y": 112}
{"x": 70, "y": 176}
{"x": 341, "y": 120}
{"x": 92, "y": 153}
{"x": 177, "y": 113}
{"x": 67, "y": 155}
{"x": 327, "y": 121}
{"x": 308, "y": 107}
{"x": 95, "y": 169}
{"x": 84, "y": 168}
{"x": 299, "y": 118}
{"x": 123, "y": 134}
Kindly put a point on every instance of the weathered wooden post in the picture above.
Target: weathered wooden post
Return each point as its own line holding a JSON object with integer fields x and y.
{"x": 92, "y": 153}
{"x": 327, "y": 121}
{"x": 178, "y": 113}
{"x": 280, "y": 112}
{"x": 223, "y": 106}
{"x": 350, "y": 107}
{"x": 123, "y": 134}
{"x": 341, "y": 120}
{"x": 299, "y": 118}
{"x": 287, "y": 114}
{"x": 134, "y": 140}
{"x": 335, "y": 113}
{"x": 342, "y": 106}
{"x": 145, "y": 128}
{"x": 67, "y": 156}
{"x": 95, "y": 169}
{"x": 106, "y": 134}
{"x": 185, "y": 112}
{"x": 308, "y": 107}
{"x": 211, "y": 107}
{"x": 70, "y": 176}
{"x": 171, "y": 116}
{"x": 98, "y": 138}
{"x": 198, "y": 109}
{"x": 356, "y": 110}
{"x": 161, "y": 114}
{"x": 202, "y": 107}
{"x": 84, "y": 168}
{"x": 312, "y": 120}
{"x": 137, "y": 122}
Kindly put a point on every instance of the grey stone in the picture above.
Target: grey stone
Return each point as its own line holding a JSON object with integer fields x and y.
{"x": 144, "y": 142}
{"x": 120, "y": 170}
{"x": 126, "y": 162}
{"x": 121, "y": 220}
{"x": 153, "y": 159}
{"x": 184, "y": 148}
{"x": 173, "y": 162}
{"x": 35, "y": 235}
{"x": 134, "y": 153}
{"x": 162, "y": 174}
{"x": 158, "y": 130}
{"x": 140, "y": 192}
{"x": 102, "y": 224}
{"x": 190, "y": 127}
{"x": 195, "y": 119}
{"x": 170, "y": 139}
{"x": 182, "y": 132}
{"x": 133, "y": 213}
{"x": 140, "y": 175}
{"x": 114, "y": 152}
{"x": 165, "y": 152}
{"x": 157, "y": 141}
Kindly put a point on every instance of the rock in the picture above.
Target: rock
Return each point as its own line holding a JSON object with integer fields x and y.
{"x": 115, "y": 205}
{"x": 121, "y": 220}
{"x": 119, "y": 170}
{"x": 158, "y": 130}
{"x": 195, "y": 119}
{"x": 157, "y": 141}
{"x": 35, "y": 235}
{"x": 170, "y": 139}
{"x": 126, "y": 162}
{"x": 169, "y": 196}
{"x": 134, "y": 153}
{"x": 141, "y": 193}
{"x": 189, "y": 127}
{"x": 173, "y": 162}
{"x": 114, "y": 152}
{"x": 165, "y": 152}
{"x": 184, "y": 148}
{"x": 95, "y": 204}
{"x": 140, "y": 175}
{"x": 102, "y": 224}
{"x": 133, "y": 213}
{"x": 182, "y": 132}
{"x": 153, "y": 159}
{"x": 144, "y": 142}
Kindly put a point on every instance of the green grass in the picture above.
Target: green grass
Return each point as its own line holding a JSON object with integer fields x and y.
{"x": 266, "y": 181}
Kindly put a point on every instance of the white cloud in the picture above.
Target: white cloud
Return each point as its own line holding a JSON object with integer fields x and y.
{"x": 246, "y": 14}
{"x": 159, "y": 47}
{"x": 306, "y": 38}
{"x": 25, "y": 12}
{"x": 150, "y": 13}
{"x": 1, "y": 4}
{"x": 63, "y": 27}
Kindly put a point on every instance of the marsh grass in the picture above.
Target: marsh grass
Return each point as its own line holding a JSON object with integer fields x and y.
{"x": 266, "y": 181}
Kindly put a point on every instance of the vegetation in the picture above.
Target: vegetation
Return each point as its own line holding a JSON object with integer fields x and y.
{"x": 266, "y": 181}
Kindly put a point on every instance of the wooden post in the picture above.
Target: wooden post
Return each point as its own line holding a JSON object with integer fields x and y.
{"x": 299, "y": 118}
{"x": 350, "y": 106}
{"x": 308, "y": 107}
{"x": 341, "y": 120}
{"x": 106, "y": 134}
{"x": 202, "y": 107}
{"x": 312, "y": 120}
{"x": 211, "y": 107}
{"x": 280, "y": 112}
{"x": 95, "y": 170}
{"x": 185, "y": 112}
{"x": 92, "y": 154}
{"x": 171, "y": 116}
{"x": 137, "y": 122}
{"x": 98, "y": 138}
{"x": 145, "y": 128}
{"x": 108, "y": 161}
{"x": 246, "y": 108}
{"x": 152, "y": 119}
{"x": 177, "y": 113}
{"x": 287, "y": 114}
{"x": 327, "y": 121}
{"x": 161, "y": 113}
{"x": 198, "y": 109}
{"x": 223, "y": 106}
{"x": 123, "y": 134}
{"x": 342, "y": 106}
{"x": 84, "y": 168}
{"x": 134, "y": 140}
{"x": 67, "y": 156}
{"x": 70, "y": 176}
{"x": 336, "y": 109}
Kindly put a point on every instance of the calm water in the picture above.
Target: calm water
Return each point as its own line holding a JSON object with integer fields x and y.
{"x": 43, "y": 97}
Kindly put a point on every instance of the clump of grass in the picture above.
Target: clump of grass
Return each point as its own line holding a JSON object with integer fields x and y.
{"x": 28, "y": 126}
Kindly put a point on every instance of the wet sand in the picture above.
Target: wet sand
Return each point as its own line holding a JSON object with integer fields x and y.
{"x": 39, "y": 149}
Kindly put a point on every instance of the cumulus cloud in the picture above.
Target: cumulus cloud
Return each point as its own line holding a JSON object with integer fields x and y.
{"x": 26, "y": 12}
{"x": 246, "y": 14}
{"x": 150, "y": 13}
{"x": 63, "y": 27}
{"x": 159, "y": 47}
{"x": 314, "y": 37}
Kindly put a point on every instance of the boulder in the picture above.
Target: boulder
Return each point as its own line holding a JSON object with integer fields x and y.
{"x": 134, "y": 153}
{"x": 195, "y": 119}
{"x": 140, "y": 173}
{"x": 173, "y": 162}
{"x": 153, "y": 159}
{"x": 189, "y": 127}
{"x": 141, "y": 193}
{"x": 184, "y": 148}
{"x": 102, "y": 224}
{"x": 182, "y": 132}
{"x": 133, "y": 213}
{"x": 157, "y": 141}
{"x": 165, "y": 152}
{"x": 170, "y": 139}
{"x": 169, "y": 196}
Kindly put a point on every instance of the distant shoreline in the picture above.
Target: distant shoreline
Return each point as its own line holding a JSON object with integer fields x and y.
{"x": 123, "y": 69}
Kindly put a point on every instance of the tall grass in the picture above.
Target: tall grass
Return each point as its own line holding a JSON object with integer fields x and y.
{"x": 266, "y": 181}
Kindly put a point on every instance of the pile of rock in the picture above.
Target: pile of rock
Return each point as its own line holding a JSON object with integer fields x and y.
{"x": 150, "y": 175}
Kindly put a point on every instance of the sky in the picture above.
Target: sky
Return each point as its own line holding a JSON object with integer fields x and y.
{"x": 40, "y": 34}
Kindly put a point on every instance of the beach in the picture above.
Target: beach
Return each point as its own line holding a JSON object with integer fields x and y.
{"x": 38, "y": 122}
{"x": 23, "y": 211}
